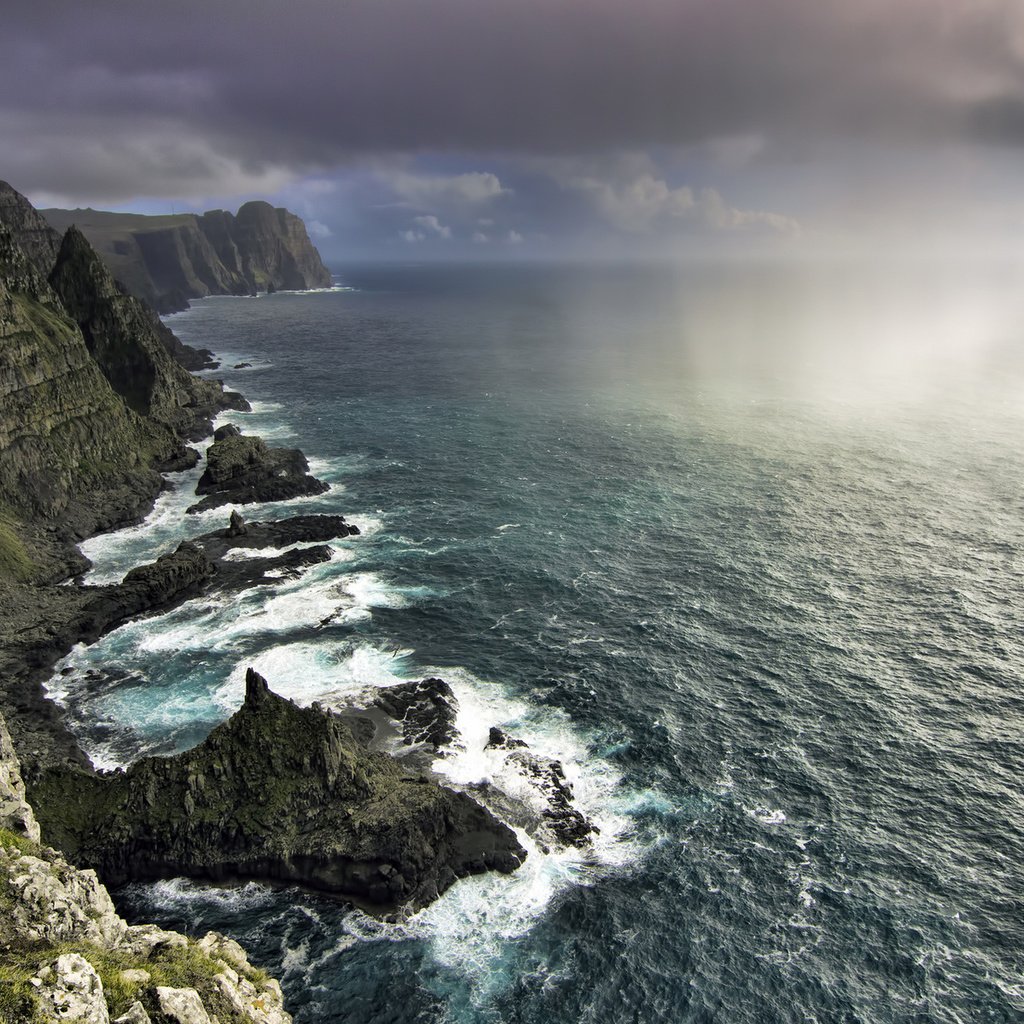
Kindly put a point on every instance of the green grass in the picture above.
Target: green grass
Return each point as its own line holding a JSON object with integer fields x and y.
{"x": 176, "y": 967}
{"x": 20, "y": 843}
{"x": 15, "y": 563}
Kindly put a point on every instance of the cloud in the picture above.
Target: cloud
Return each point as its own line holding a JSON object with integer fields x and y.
{"x": 479, "y": 238}
{"x": 514, "y": 238}
{"x": 111, "y": 89}
{"x": 318, "y": 229}
{"x": 433, "y": 226}
{"x": 471, "y": 188}
{"x": 646, "y": 204}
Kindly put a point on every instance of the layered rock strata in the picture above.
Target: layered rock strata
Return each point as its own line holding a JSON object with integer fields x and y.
{"x": 41, "y": 243}
{"x": 165, "y": 261}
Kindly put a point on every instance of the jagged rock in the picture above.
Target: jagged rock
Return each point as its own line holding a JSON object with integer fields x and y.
{"x": 228, "y": 430}
{"x": 72, "y": 991}
{"x": 236, "y": 525}
{"x": 15, "y": 811}
{"x": 168, "y": 260}
{"x": 278, "y": 533}
{"x": 182, "y": 1005}
{"x": 426, "y": 711}
{"x": 567, "y": 825}
{"x": 35, "y": 237}
{"x": 121, "y": 336}
{"x": 136, "y": 1014}
{"x": 497, "y": 739}
{"x": 241, "y": 470}
{"x": 288, "y": 796}
{"x": 242, "y": 366}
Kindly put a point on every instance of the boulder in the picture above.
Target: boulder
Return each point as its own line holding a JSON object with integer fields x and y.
{"x": 241, "y": 470}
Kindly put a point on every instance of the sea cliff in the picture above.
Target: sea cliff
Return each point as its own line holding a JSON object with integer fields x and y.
{"x": 168, "y": 260}
{"x": 94, "y": 407}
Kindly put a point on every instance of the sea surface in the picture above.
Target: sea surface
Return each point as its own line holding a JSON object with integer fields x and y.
{"x": 743, "y": 546}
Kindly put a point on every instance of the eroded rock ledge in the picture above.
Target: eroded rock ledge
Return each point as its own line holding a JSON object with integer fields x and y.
{"x": 277, "y": 793}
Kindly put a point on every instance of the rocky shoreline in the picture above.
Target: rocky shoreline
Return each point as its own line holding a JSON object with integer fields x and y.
{"x": 342, "y": 803}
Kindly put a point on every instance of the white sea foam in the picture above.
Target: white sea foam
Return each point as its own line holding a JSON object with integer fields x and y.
{"x": 332, "y": 673}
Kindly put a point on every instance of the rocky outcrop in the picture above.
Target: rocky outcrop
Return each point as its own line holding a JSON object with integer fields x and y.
{"x": 278, "y": 793}
{"x": 120, "y": 334}
{"x": 30, "y": 230}
{"x": 66, "y": 954}
{"x": 560, "y": 823}
{"x": 71, "y": 453}
{"x": 240, "y": 470}
{"x": 425, "y": 710}
{"x": 165, "y": 261}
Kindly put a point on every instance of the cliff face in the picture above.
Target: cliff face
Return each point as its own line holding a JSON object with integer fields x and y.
{"x": 71, "y": 453}
{"x": 166, "y": 261}
{"x": 35, "y": 237}
{"x": 41, "y": 243}
{"x": 65, "y": 954}
{"x": 127, "y": 347}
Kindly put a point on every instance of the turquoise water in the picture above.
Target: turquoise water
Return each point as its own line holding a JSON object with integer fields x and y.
{"x": 742, "y": 546}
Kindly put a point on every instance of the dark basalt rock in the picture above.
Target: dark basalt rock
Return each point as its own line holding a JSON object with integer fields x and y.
{"x": 242, "y": 366}
{"x": 228, "y": 430}
{"x": 280, "y": 533}
{"x": 498, "y": 739}
{"x": 277, "y": 793}
{"x": 234, "y": 400}
{"x": 241, "y": 470}
{"x": 426, "y": 711}
{"x": 566, "y": 825}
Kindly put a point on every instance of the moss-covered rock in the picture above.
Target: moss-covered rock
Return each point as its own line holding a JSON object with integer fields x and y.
{"x": 277, "y": 793}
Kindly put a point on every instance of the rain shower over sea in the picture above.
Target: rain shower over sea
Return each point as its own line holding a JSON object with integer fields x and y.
{"x": 742, "y": 547}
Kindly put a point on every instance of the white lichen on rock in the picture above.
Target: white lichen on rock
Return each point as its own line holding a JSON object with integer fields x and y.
{"x": 71, "y": 990}
{"x": 15, "y": 811}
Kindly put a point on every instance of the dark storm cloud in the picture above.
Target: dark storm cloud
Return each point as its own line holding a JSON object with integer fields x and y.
{"x": 119, "y": 95}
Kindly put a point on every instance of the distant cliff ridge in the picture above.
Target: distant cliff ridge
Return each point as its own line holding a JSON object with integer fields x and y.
{"x": 168, "y": 260}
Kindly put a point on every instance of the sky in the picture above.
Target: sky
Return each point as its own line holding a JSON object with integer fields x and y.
{"x": 420, "y": 129}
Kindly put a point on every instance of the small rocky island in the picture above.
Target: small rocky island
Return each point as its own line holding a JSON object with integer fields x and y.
{"x": 282, "y": 793}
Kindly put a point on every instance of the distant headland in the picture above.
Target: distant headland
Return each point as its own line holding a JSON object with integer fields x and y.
{"x": 167, "y": 260}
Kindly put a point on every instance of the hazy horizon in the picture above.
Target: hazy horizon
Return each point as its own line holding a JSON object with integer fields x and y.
{"x": 528, "y": 129}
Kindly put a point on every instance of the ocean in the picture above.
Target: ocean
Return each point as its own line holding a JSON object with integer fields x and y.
{"x": 741, "y": 545}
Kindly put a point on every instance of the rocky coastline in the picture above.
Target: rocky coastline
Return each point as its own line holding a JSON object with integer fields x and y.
{"x": 95, "y": 404}
{"x": 165, "y": 261}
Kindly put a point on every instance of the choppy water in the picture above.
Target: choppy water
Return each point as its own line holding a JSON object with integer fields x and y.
{"x": 742, "y": 547}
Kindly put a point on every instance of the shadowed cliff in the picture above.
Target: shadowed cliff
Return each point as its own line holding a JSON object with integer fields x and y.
{"x": 168, "y": 260}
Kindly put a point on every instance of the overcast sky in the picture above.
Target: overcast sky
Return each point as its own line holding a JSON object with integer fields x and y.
{"x": 418, "y": 128}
